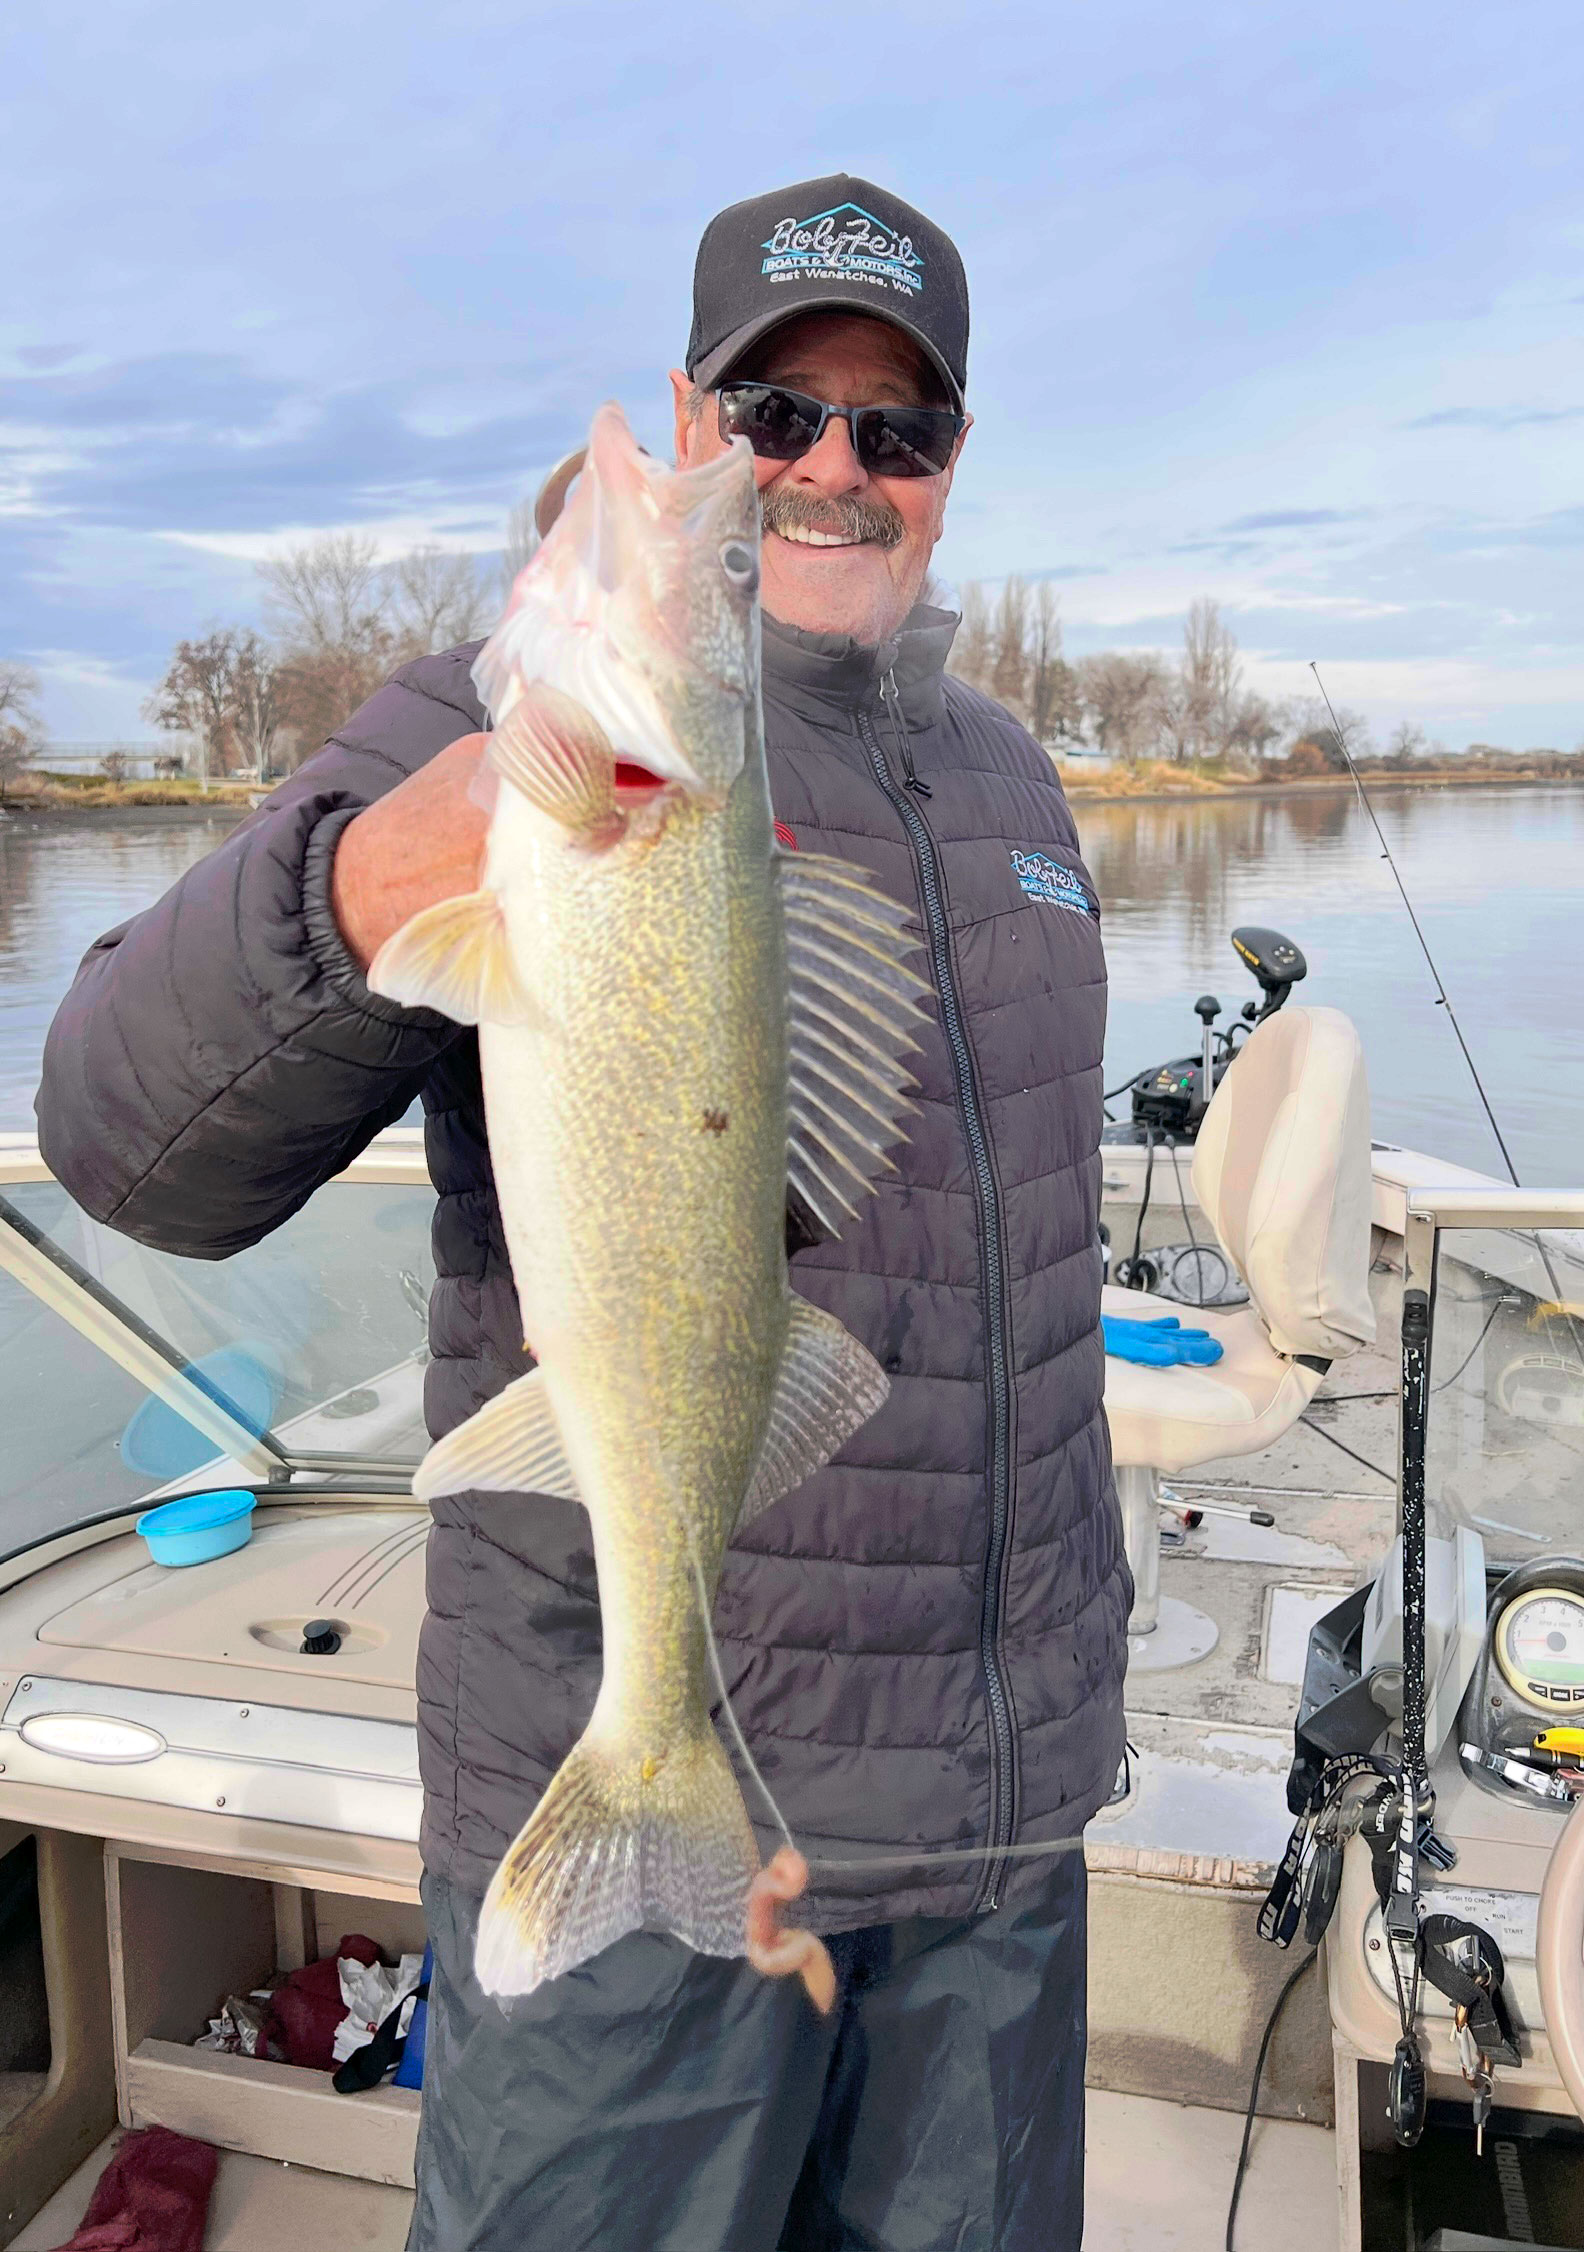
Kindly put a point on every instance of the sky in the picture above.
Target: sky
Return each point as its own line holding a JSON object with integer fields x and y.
{"x": 1273, "y": 304}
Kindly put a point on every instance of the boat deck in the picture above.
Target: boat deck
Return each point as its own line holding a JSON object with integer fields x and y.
{"x": 1159, "y": 2176}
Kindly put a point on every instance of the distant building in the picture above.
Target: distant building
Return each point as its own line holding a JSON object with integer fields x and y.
{"x": 1082, "y": 756}
{"x": 144, "y": 761}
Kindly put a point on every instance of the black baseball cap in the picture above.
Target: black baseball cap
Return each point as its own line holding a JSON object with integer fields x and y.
{"x": 825, "y": 245}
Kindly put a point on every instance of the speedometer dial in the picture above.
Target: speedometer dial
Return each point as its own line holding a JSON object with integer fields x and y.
{"x": 1540, "y": 1647}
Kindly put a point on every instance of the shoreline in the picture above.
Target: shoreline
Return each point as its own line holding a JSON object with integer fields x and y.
{"x": 1204, "y": 790}
{"x": 1193, "y": 789}
{"x": 123, "y": 810}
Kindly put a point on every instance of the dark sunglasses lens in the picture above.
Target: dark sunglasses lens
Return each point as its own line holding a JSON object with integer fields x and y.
{"x": 906, "y": 441}
{"x": 779, "y": 425}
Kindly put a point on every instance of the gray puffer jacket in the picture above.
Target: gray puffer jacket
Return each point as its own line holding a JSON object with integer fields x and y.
{"x": 926, "y": 1641}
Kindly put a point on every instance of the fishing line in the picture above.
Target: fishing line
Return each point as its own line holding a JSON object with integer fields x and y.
{"x": 824, "y": 1861}
{"x": 741, "y": 1741}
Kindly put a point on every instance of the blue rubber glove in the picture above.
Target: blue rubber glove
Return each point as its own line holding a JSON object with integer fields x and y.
{"x": 1159, "y": 1343}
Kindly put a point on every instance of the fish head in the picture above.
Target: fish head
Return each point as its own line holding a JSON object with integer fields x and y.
{"x": 642, "y": 604}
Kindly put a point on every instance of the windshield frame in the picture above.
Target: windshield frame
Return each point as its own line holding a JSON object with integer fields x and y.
{"x": 1432, "y": 1213}
{"x": 268, "y": 1460}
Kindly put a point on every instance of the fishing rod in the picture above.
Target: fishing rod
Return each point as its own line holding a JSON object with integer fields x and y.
{"x": 1443, "y": 999}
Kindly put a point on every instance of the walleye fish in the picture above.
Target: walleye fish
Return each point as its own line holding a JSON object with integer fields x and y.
{"x": 676, "y": 1020}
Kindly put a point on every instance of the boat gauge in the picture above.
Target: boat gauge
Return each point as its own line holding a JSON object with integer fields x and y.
{"x": 1540, "y": 1647}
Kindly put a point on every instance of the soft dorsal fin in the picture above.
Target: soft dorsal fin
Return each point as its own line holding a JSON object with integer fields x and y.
{"x": 454, "y": 957}
{"x": 510, "y": 1446}
{"x": 853, "y": 1014}
{"x": 827, "y": 1386}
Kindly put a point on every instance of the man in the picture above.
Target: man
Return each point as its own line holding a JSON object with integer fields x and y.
{"x": 926, "y": 1641}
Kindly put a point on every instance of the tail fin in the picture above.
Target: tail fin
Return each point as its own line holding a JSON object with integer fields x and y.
{"x": 619, "y": 1843}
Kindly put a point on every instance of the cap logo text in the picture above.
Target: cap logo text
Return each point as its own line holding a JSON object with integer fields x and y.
{"x": 847, "y": 244}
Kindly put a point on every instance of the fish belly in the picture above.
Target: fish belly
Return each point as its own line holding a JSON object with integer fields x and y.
{"x": 638, "y": 1139}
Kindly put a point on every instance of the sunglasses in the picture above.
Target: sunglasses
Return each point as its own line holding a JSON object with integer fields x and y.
{"x": 783, "y": 425}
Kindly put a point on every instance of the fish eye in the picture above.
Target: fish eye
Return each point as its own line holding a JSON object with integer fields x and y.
{"x": 740, "y": 565}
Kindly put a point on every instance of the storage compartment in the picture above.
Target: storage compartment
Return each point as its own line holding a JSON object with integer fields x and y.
{"x": 181, "y": 1939}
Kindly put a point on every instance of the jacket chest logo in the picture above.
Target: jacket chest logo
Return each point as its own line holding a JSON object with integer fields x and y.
{"x": 1046, "y": 880}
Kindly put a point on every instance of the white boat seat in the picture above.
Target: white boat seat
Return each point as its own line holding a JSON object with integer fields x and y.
{"x": 1281, "y": 1171}
{"x": 1170, "y": 1419}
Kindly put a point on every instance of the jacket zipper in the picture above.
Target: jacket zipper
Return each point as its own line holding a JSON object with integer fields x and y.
{"x": 989, "y": 1200}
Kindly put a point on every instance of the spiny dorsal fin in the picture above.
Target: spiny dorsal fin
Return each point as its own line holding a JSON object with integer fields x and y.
{"x": 553, "y": 749}
{"x": 454, "y": 957}
{"x": 853, "y": 1014}
{"x": 827, "y": 1386}
{"x": 510, "y": 1446}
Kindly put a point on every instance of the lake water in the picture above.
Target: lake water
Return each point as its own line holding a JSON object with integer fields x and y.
{"x": 1497, "y": 877}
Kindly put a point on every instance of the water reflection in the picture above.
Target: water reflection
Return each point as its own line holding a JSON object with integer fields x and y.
{"x": 65, "y": 878}
{"x": 1494, "y": 874}
{"x": 1495, "y": 878}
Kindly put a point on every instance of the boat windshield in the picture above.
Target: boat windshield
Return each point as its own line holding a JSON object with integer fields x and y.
{"x": 1506, "y": 1427}
{"x": 126, "y": 1374}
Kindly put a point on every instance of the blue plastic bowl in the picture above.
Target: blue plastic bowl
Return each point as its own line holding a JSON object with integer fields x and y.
{"x": 162, "y": 1444}
{"x": 198, "y": 1527}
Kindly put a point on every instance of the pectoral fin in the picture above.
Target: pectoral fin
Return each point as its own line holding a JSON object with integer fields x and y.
{"x": 828, "y": 1386}
{"x": 510, "y": 1446}
{"x": 552, "y": 749}
{"x": 454, "y": 957}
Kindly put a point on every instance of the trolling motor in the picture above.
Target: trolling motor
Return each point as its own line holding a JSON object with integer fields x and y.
{"x": 1170, "y": 1099}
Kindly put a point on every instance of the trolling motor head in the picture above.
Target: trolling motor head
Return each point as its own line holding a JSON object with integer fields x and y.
{"x": 1171, "y": 1098}
{"x": 1275, "y": 963}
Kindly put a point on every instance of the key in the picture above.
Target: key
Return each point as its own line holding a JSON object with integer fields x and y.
{"x": 1484, "y": 2092}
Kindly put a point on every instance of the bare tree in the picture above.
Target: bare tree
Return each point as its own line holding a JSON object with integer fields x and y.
{"x": 1009, "y": 658}
{"x": 1407, "y": 743}
{"x": 1255, "y": 725}
{"x": 21, "y": 725}
{"x": 972, "y": 648}
{"x": 1122, "y": 696}
{"x": 1178, "y": 714}
{"x": 255, "y": 702}
{"x": 437, "y": 599}
{"x": 116, "y": 766}
{"x": 522, "y": 543}
{"x": 328, "y": 601}
{"x": 1211, "y": 679}
{"x": 1055, "y": 708}
{"x": 1311, "y": 725}
{"x": 198, "y": 697}
{"x": 327, "y": 593}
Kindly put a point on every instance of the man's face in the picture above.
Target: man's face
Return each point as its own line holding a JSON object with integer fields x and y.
{"x": 861, "y": 575}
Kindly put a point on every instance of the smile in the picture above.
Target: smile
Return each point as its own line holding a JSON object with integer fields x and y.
{"x": 805, "y": 538}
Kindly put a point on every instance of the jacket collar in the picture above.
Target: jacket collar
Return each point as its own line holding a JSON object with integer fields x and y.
{"x": 815, "y": 671}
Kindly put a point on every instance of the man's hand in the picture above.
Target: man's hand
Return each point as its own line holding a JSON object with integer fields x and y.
{"x": 422, "y": 843}
{"x": 778, "y": 1953}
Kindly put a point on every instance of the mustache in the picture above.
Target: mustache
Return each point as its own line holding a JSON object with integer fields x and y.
{"x": 794, "y": 508}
